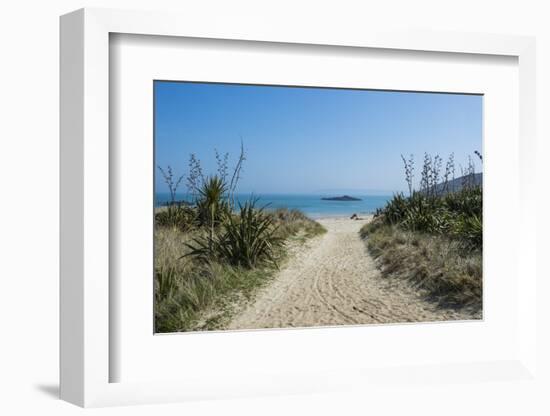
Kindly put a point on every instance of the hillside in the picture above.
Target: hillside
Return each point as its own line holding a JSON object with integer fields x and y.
{"x": 457, "y": 184}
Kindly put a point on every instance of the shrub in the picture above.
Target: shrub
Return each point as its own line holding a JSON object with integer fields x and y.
{"x": 468, "y": 229}
{"x": 469, "y": 201}
{"x": 178, "y": 216}
{"x": 457, "y": 215}
{"x": 395, "y": 210}
{"x": 212, "y": 204}
{"x": 247, "y": 239}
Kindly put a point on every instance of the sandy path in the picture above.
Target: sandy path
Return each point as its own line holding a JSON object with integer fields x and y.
{"x": 332, "y": 280}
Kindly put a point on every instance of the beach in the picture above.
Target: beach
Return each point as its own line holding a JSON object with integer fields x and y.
{"x": 332, "y": 279}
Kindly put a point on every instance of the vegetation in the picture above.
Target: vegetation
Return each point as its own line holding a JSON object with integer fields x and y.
{"x": 246, "y": 239}
{"x": 295, "y": 223}
{"x": 213, "y": 253}
{"x": 195, "y": 295}
{"x": 434, "y": 236}
{"x": 455, "y": 215}
{"x": 176, "y": 216}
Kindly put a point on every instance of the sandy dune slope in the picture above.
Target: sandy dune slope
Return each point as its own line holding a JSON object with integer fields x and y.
{"x": 332, "y": 280}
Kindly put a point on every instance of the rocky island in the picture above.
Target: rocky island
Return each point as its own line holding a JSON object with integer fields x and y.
{"x": 341, "y": 198}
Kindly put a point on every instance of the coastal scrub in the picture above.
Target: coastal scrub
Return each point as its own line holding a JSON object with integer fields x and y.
{"x": 212, "y": 253}
{"x": 433, "y": 237}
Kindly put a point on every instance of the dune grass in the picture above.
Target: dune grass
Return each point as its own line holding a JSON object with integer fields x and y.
{"x": 294, "y": 222}
{"x": 439, "y": 267}
{"x": 201, "y": 291}
{"x": 434, "y": 237}
{"x": 186, "y": 289}
{"x": 212, "y": 253}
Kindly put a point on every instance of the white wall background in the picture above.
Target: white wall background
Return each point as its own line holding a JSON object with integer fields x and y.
{"x": 29, "y": 209}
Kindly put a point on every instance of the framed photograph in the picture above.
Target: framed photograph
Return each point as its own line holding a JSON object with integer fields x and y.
{"x": 270, "y": 211}
{"x": 319, "y": 217}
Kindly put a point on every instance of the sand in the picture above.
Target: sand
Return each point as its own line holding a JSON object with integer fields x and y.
{"x": 333, "y": 280}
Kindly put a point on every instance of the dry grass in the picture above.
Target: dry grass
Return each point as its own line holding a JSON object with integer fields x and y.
{"x": 292, "y": 222}
{"x": 196, "y": 295}
{"x": 188, "y": 291}
{"x": 446, "y": 272}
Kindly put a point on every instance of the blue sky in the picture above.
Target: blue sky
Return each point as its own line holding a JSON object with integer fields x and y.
{"x": 311, "y": 140}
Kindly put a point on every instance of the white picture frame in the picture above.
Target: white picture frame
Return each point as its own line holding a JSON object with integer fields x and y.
{"x": 85, "y": 353}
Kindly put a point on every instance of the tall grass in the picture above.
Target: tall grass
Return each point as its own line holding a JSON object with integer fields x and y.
{"x": 439, "y": 267}
{"x": 213, "y": 253}
{"x": 291, "y": 222}
{"x": 434, "y": 236}
{"x": 197, "y": 285}
{"x": 191, "y": 295}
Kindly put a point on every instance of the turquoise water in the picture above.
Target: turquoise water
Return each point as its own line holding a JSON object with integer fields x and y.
{"x": 312, "y": 205}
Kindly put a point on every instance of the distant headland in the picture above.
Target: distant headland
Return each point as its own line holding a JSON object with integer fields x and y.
{"x": 341, "y": 198}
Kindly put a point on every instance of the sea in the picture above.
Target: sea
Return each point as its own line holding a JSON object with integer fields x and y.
{"x": 311, "y": 205}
